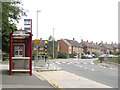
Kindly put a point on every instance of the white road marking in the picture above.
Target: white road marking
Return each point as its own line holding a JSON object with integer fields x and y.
{"x": 85, "y": 63}
{"x": 63, "y": 62}
{"x": 92, "y": 69}
{"x": 69, "y": 63}
{"x": 80, "y": 66}
{"x": 111, "y": 68}
{"x": 57, "y": 62}
{"x": 91, "y": 62}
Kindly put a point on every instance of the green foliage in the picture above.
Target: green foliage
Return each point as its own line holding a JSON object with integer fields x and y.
{"x": 72, "y": 55}
{"x": 50, "y": 49}
{"x": 117, "y": 53}
{"x": 11, "y": 13}
{"x": 118, "y": 60}
{"x": 113, "y": 60}
{"x": 63, "y": 55}
{"x": 110, "y": 60}
{"x": 87, "y": 52}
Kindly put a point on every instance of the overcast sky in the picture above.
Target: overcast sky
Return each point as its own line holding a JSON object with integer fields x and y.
{"x": 92, "y": 20}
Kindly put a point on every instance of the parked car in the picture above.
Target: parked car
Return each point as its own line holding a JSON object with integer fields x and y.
{"x": 110, "y": 55}
{"x": 103, "y": 56}
{"x": 87, "y": 56}
{"x": 107, "y": 55}
{"x": 76, "y": 56}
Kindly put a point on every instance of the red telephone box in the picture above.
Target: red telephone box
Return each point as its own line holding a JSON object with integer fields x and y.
{"x": 20, "y": 51}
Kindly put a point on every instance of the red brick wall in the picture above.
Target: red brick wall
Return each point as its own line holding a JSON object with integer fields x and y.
{"x": 63, "y": 47}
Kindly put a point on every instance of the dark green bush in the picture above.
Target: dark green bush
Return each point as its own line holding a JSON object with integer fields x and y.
{"x": 62, "y": 55}
{"x": 72, "y": 55}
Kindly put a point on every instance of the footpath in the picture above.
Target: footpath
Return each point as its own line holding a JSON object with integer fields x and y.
{"x": 21, "y": 80}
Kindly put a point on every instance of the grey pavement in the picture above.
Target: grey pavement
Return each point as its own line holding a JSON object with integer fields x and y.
{"x": 22, "y": 80}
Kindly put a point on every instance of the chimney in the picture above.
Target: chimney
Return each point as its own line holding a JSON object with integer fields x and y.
{"x": 112, "y": 43}
{"x": 73, "y": 39}
{"x": 40, "y": 39}
{"x": 81, "y": 40}
{"x": 96, "y": 43}
{"x": 102, "y": 42}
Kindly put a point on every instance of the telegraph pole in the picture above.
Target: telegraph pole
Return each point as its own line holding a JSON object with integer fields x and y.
{"x": 53, "y": 44}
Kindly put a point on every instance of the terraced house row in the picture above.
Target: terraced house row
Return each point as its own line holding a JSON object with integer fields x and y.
{"x": 79, "y": 48}
{"x": 73, "y": 46}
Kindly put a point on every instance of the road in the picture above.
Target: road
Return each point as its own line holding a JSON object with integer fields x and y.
{"x": 87, "y": 69}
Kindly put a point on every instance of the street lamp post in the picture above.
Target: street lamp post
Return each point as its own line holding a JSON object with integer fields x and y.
{"x": 37, "y": 22}
{"x": 37, "y": 35}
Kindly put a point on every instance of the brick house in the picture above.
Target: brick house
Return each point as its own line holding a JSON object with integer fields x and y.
{"x": 69, "y": 46}
{"x": 115, "y": 47}
{"x": 107, "y": 48}
{"x": 90, "y": 46}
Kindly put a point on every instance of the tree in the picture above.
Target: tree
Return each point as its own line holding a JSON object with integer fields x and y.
{"x": 63, "y": 55}
{"x": 11, "y": 13}
{"x": 50, "y": 47}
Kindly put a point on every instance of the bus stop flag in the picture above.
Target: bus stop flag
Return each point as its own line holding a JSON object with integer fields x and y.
{"x": 28, "y": 24}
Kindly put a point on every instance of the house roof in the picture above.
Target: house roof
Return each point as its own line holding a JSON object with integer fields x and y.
{"x": 114, "y": 45}
{"x": 90, "y": 45}
{"x": 73, "y": 43}
{"x": 108, "y": 46}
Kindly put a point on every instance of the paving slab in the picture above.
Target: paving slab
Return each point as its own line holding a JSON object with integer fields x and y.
{"x": 22, "y": 80}
{"x": 63, "y": 79}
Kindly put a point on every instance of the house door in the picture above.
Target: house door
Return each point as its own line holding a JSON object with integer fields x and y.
{"x": 19, "y": 51}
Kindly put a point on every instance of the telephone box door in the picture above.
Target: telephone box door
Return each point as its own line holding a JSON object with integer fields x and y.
{"x": 19, "y": 51}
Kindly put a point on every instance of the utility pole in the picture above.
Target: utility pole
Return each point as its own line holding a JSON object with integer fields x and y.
{"x": 53, "y": 43}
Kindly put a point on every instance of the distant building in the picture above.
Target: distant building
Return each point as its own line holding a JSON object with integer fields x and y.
{"x": 108, "y": 48}
{"x": 70, "y": 46}
{"x": 90, "y": 46}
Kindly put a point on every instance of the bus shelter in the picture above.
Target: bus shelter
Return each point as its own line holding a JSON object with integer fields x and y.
{"x": 20, "y": 52}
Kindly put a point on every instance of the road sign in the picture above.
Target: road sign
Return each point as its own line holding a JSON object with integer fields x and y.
{"x": 28, "y": 24}
{"x": 37, "y": 41}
